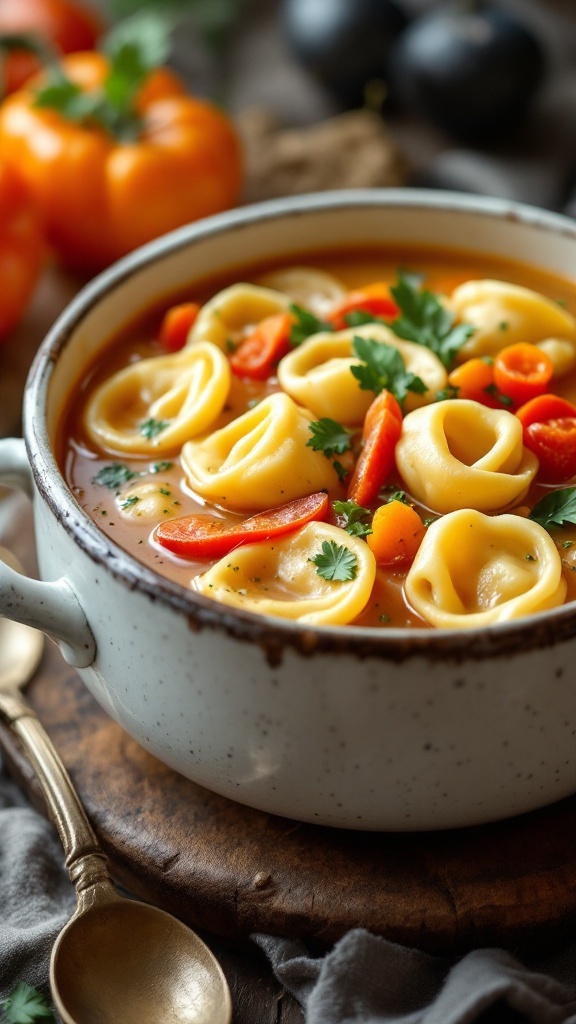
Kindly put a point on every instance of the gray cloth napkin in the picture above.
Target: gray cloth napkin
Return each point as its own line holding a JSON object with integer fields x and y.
{"x": 365, "y": 979}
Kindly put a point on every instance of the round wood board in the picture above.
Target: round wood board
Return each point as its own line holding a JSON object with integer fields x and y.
{"x": 233, "y": 871}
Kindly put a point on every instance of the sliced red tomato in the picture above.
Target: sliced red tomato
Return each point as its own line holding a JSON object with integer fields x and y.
{"x": 205, "y": 536}
{"x": 522, "y": 372}
{"x": 549, "y": 424}
{"x": 382, "y": 428}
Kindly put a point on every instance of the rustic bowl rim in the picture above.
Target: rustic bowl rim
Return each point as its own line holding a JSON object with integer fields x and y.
{"x": 273, "y": 634}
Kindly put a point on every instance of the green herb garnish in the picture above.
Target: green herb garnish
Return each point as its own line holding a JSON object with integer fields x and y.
{"x": 382, "y": 367}
{"x": 160, "y": 467}
{"x": 306, "y": 325}
{"x": 329, "y": 437}
{"x": 447, "y": 393}
{"x": 353, "y": 515}
{"x": 129, "y": 502}
{"x": 556, "y": 509}
{"x": 335, "y": 562}
{"x": 25, "y": 1005}
{"x": 424, "y": 320}
{"x": 114, "y": 476}
{"x": 492, "y": 390}
{"x": 359, "y": 317}
{"x": 151, "y": 428}
{"x": 399, "y": 496}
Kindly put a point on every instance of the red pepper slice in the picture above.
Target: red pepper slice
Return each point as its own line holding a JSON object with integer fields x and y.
{"x": 204, "y": 536}
{"x": 176, "y": 324}
{"x": 382, "y": 428}
{"x": 372, "y": 298}
{"x": 259, "y": 354}
{"x": 549, "y": 424}
{"x": 522, "y": 372}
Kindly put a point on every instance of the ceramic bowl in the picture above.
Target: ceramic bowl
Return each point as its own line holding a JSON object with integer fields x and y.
{"x": 346, "y": 727}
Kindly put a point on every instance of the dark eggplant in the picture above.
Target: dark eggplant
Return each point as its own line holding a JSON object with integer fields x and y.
{"x": 473, "y": 70}
{"x": 344, "y": 44}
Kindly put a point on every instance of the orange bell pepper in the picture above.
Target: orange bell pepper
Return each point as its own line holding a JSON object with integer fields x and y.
{"x": 259, "y": 354}
{"x": 397, "y": 532}
{"x": 106, "y": 185}
{"x": 374, "y": 299}
{"x": 176, "y": 324}
{"x": 22, "y": 248}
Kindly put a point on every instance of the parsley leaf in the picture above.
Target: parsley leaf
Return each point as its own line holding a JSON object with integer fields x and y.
{"x": 306, "y": 325}
{"x": 328, "y": 436}
{"x": 353, "y": 514}
{"x": 25, "y": 1005}
{"x": 383, "y": 368}
{"x": 492, "y": 390}
{"x": 556, "y": 509}
{"x": 424, "y": 320}
{"x": 335, "y": 562}
{"x": 160, "y": 467}
{"x": 359, "y": 317}
{"x": 151, "y": 428}
{"x": 114, "y": 476}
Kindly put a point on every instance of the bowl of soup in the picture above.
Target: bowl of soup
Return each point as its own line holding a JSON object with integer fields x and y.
{"x": 304, "y": 487}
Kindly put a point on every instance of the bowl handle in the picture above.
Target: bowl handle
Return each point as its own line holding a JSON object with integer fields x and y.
{"x": 51, "y": 607}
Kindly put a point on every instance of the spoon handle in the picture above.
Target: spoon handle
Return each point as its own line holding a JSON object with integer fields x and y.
{"x": 85, "y": 859}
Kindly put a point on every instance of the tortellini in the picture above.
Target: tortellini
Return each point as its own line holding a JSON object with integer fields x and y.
{"x": 228, "y": 317}
{"x": 503, "y": 314}
{"x": 317, "y": 373}
{"x": 156, "y": 404}
{"x": 313, "y": 289}
{"x": 259, "y": 460}
{"x": 148, "y": 501}
{"x": 473, "y": 570}
{"x": 279, "y": 578}
{"x": 460, "y": 454}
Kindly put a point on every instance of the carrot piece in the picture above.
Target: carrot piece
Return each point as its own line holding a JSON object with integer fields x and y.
{"x": 549, "y": 426}
{"x": 522, "y": 372}
{"x": 258, "y": 355}
{"x": 372, "y": 298}
{"x": 176, "y": 324}
{"x": 381, "y": 430}
{"x": 397, "y": 532}
{"x": 475, "y": 381}
{"x": 205, "y": 536}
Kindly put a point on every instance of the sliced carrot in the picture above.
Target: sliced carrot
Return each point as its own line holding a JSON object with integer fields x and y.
{"x": 474, "y": 380}
{"x": 205, "y": 536}
{"x": 259, "y": 354}
{"x": 176, "y": 324}
{"x": 397, "y": 532}
{"x": 382, "y": 428}
{"x": 522, "y": 372}
{"x": 372, "y": 298}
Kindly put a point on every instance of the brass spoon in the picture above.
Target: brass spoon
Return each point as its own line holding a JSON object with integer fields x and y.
{"x": 117, "y": 961}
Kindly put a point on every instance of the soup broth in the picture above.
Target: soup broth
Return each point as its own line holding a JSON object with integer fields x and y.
{"x": 116, "y": 453}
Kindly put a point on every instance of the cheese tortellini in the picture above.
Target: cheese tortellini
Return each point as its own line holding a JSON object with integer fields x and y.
{"x": 460, "y": 454}
{"x": 317, "y": 373}
{"x": 473, "y": 570}
{"x": 228, "y": 317}
{"x": 314, "y": 289}
{"x": 503, "y": 314}
{"x": 155, "y": 405}
{"x": 259, "y": 460}
{"x": 279, "y": 578}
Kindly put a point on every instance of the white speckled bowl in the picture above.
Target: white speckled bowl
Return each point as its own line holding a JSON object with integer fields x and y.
{"x": 404, "y": 730}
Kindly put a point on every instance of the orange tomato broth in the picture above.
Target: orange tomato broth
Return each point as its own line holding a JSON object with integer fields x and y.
{"x": 80, "y": 461}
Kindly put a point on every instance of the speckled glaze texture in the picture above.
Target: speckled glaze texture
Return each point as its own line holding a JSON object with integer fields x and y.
{"x": 341, "y": 727}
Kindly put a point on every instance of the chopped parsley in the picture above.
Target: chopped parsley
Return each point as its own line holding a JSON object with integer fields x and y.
{"x": 556, "y": 509}
{"x": 151, "y": 428}
{"x": 450, "y": 391}
{"x": 114, "y": 476}
{"x": 335, "y": 562}
{"x": 492, "y": 390}
{"x": 329, "y": 437}
{"x": 382, "y": 368}
{"x": 424, "y": 320}
{"x": 160, "y": 467}
{"x": 353, "y": 515}
{"x": 306, "y": 325}
{"x": 359, "y": 317}
{"x": 129, "y": 502}
{"x": 25, "y": 1005}
{"x": 399, "y": 496}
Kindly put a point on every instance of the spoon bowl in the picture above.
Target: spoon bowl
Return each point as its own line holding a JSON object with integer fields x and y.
{"x": 117, "y": 960}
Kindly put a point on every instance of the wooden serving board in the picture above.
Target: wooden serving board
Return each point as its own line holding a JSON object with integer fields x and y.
{"x": 232, "y": 871}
